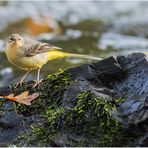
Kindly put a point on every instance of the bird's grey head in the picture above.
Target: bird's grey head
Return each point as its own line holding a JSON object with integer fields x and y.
{"x": 15, "y": 39}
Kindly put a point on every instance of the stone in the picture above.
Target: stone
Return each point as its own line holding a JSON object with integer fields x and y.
{"x": 110, "y": 79}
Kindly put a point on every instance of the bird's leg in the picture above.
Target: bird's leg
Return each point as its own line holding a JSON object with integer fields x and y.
{"x": 22, "y": 79}
{"x": 38, "y": 78}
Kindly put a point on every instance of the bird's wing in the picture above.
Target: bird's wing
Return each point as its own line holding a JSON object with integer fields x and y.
{"x": 32, "y": 47}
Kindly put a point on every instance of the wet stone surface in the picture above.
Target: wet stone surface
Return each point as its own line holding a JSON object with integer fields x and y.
{"x": 109, "y": 80}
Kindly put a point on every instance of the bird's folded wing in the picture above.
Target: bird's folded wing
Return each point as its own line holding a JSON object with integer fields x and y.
{"x": 39, "y": 47}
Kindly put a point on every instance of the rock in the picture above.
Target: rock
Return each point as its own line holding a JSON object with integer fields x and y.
{"x": 134, "y": 87}
{"x": 99, "y": 104}
{"x": 5, "y": 90}
{"x": 10, "y": 125}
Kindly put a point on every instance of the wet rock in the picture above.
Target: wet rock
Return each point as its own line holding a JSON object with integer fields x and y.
{"x": 5, "y": 90}
{"x": 109, "y": 80}
{"x": 144, "y": 141}
{"x": 91, "y": 78}
{"x": 11, "y": 124}
{"x": 134, "y": 87}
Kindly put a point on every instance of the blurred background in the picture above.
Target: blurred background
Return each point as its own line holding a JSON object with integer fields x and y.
{"x": 94, "y": 28}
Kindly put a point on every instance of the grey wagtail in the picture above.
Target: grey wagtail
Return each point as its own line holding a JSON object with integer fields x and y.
{"x": 29, "y": 54}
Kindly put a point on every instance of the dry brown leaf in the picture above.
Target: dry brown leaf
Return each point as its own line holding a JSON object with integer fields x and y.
{"x": 23, "y": 98}
{"x": 35, "y": 28}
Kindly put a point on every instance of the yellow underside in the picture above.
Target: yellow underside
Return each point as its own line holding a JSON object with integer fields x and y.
{"x": 36, "y": 61}
{"x": 52, "y": 55}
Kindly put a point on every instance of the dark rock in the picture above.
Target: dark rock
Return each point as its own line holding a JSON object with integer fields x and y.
{"x": 134, "y": 88}
{"x": 144, "y": 141}
{"x": 5, "y": 91}
{"x": 110, "y": 79}
{"x": 11, "y": 124}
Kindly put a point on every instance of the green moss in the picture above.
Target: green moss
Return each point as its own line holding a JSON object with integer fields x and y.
{"x": 98, "y": 108}
{"x": 40, "y": 134}
{"x": 1, "y": 104}
{"x": 51, "y": 91}
{"x": 91, "y": 116}
{"x": 103, "y": 127}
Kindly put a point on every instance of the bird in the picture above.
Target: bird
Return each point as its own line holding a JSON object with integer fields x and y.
{"x": 28, "y": 54}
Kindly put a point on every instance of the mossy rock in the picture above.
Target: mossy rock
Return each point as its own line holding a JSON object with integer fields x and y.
{"x": 90, "y": 117}
{"x": 81, "y": 107}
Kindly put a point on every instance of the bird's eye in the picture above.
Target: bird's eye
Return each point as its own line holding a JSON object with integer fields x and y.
{"x": 19, "y": 39}
{"x": 10, "y": 39}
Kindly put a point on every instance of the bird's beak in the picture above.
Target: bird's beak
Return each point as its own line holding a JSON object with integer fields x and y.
{"x": 14, "y": 41}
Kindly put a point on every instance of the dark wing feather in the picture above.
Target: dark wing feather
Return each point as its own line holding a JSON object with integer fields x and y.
{"x": 44, "y": 47}
{"x": 34, "y": 47}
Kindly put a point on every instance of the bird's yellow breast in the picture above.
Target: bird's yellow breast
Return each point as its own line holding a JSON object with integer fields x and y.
{"x": 16, "y": 57}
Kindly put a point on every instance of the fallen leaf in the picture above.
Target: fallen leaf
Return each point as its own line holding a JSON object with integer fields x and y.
{"x": 23, "y": 98}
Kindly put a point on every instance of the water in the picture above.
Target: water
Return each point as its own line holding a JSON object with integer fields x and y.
{"x": 93, "y": 28}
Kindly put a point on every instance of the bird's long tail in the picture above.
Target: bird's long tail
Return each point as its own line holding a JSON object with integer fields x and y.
{"x": 59, "y": 54}
{"x": 84, "y": 56}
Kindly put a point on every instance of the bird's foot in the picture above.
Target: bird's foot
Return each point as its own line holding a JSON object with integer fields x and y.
{"x": 37, "y": 83}
{"x": 19, "y": 83}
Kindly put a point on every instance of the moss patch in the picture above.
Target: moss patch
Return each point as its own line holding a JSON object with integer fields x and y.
{"x": 51, "y": 91}
{"x": 91, "y": 117}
